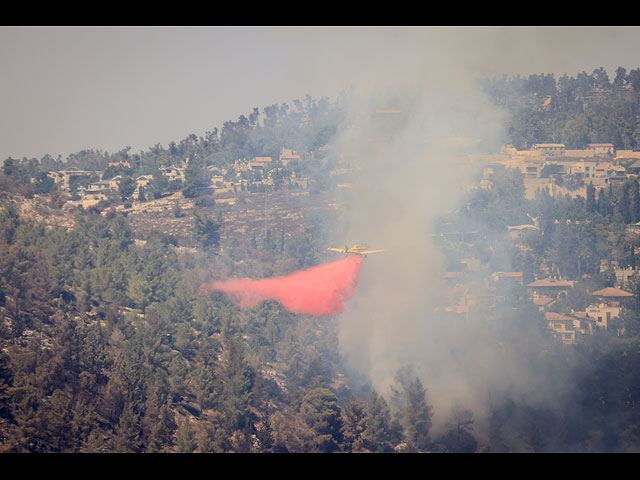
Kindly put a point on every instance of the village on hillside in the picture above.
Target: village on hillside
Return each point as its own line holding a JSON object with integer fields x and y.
{"x": 553, "y": 167}
{"x": 251, "y": 176}
{"x": 561, "y": 172}
{"x": 567, "y": 172}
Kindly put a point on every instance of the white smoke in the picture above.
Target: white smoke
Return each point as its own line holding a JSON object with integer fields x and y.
{"x": 409, "y": 169}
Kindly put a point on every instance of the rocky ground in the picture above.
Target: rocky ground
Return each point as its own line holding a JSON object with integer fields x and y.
{"x": 244, "y": 216}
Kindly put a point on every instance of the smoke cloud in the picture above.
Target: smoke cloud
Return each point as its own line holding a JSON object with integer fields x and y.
{"x": 416, "y": 134}
{"x": 319, "y": 290}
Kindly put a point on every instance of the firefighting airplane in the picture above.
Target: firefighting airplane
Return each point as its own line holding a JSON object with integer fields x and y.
{"x": 357, "y": 249}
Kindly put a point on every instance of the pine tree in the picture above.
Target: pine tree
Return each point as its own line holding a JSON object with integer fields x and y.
{"x": 411, "y": 409}
{"x": 321, "y": 412}
{"x": 354, "y": 419}
{"x": 382, "y": 433}
{"x": 207, "y": 231}
{"x": 95, "y": 441}
{"x": 127, "y": 431}
{"x": 185, "y": 439}
{"x": 265, "y": 436}
{"x": 6, "y": 379}
{"x": 59, "y": 422}
{"x": 458, "y": 437}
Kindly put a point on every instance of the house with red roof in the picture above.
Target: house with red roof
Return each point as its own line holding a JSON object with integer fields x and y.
{"x": 288, "y": 155}
{"x": 569, "y": 328}
{"x": 613, "y": 296}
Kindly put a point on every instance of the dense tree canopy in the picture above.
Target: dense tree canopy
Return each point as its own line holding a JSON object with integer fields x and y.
{"x": 587, "y": 108}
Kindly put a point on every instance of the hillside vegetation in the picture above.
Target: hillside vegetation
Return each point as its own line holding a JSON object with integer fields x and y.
{"x": 107, "y": 344}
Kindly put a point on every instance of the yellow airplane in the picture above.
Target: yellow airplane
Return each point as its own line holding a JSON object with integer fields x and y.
{"x": 357, "y": 249}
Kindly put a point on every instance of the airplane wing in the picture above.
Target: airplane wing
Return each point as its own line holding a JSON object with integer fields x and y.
{"x": 365, "y": 252}
{"x": 341, "y": 250}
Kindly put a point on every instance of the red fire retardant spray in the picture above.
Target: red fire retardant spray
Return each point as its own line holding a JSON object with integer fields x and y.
{"x": 319, "y": 290}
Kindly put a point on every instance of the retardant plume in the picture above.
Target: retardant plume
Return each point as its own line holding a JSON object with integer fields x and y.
{"x": 319, "y": 290}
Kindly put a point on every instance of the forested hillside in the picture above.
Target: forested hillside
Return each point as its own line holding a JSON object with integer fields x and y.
{"x": 109, "y": 345}
{"x": 575, "y": 111}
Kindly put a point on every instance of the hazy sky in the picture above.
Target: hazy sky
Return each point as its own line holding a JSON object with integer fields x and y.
{"x": 64, "y": 89}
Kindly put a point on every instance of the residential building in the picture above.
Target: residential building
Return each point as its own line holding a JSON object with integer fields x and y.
{"x": 624, "y": 274}
{"x": 602, "y": 169}
{"x": 141, "y": 183}
{"x": 570, "y": 328}
{"x": 542, "y": 302}
{"x": 507, "y": 277}
{"x": 622, "y": 155}
{"x": 562, "y": 326}
{"x": 550, "y": 287}
{"x": 604, "y": 149}
{"x": 288, "y": 155}
{"x": 114, "y": 183}
{"x": 101, "y": 186}
{"x": 173, "y": 173}
{"x": 63, "y": 177}
{"x": 602, "y": 314}
{"x": 634, "y": 167}
{"x": 532, "y": 169}
{"x": 589, "y": 153}
{"x": 90, "y": 198}
{"x": 584, "y": 168}
{"x": 613, "y": 296}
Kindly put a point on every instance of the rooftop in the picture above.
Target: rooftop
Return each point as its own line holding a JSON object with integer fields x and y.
{"x": 612, "y": 292}
{"x": 550, "y": 282}
{"x": 553, "y": 316}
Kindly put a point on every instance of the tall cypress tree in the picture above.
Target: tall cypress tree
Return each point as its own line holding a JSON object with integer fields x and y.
{"x": 635, "y": 200}
{"x": 625, "y": 203}
{"x": 603, "y": 202}
{"x": 590, "y": 204}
